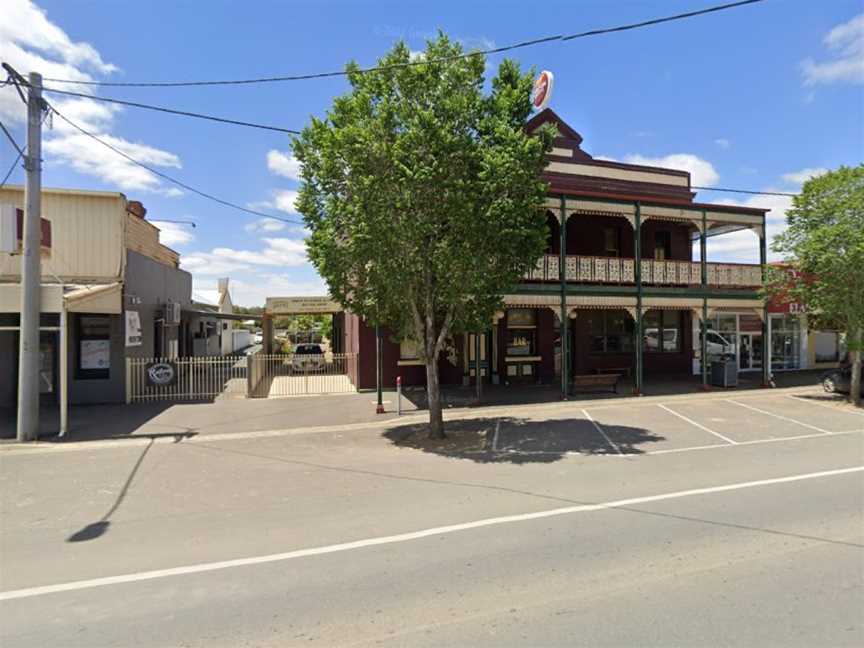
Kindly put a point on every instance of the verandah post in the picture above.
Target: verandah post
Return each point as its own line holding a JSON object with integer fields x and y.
{"x": 703, "y": 257}
{"x": 562, "y": 274}
{"x": 766, "y": 348}
{"x": 637, "y": 249}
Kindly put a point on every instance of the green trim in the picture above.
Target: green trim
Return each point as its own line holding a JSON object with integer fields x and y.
{"x": 562, "y": 275}
{"x": 637, "y": 330}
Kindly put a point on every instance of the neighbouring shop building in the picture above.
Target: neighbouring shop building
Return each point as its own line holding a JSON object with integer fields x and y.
{"x": 110, "y": 291}
{"x": 618, "y": 289}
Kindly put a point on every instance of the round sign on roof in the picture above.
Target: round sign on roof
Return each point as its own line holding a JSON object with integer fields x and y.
{"x": 542, "y": 90}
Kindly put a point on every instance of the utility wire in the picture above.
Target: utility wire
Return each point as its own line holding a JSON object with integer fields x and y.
{"x": 746, "y": 191}
{"x": 172, "y": 111}
{"x": 165, "y": 176}
{"x": 496, "y": 50}
{"x": 12, "y": 139}
{"x": 11, "y": 169}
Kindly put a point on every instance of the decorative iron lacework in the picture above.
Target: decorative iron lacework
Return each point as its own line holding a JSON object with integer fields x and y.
{"x": 627, "y": 270}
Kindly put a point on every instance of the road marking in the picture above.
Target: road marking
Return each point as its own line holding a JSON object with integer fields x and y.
{"x": 778, "y": 416}
{"x": 600, "y": 430}
{"x": 404, "y": 537}
{"x": 698, "y": 425}
{"x": 495, "y": 436}
{"x": 831, "y": 407}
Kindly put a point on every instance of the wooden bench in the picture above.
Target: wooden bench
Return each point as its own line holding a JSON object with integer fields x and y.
{"x": 614, "y": 370}
{"x": 589, "y": 381}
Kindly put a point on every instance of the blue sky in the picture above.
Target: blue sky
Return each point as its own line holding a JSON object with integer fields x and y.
{"x": 758, "y": 97}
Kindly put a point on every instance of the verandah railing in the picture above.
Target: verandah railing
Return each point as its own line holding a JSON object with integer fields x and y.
{"x": 615, "y": 270}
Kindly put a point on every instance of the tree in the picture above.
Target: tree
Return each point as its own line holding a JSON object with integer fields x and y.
{"x": 423, "y": 196}
{"x": 824, "y": 247}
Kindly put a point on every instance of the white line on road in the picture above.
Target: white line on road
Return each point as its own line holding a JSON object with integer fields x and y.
{"x": 810, "y": 401}
{"x": 600, "y": 430}
{"x": 404, "y": 537}
{"x": 778, "y": 416}
{"x": 698, "y": 425}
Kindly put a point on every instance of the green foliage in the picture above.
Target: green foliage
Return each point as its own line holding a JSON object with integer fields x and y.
{"x": 824, "y": 247}
{"x": 423, "y": 194}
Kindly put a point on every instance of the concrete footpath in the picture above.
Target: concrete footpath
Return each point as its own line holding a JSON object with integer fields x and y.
{"x": 184, "y": 420}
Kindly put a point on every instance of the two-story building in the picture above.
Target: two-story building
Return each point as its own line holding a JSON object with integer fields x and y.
{"x": 110, "y": 290}
{"x": 618, "y": 289}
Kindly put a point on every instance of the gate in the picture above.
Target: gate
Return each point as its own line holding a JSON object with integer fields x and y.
{"x": 295, "y": 374}
{"x": 186, "y": 379}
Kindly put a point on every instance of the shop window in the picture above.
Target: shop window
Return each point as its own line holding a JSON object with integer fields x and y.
{"x": 94, "y": 347}
{"x": 826, "y": 345}
{"x": 785, "y": 342}
{"x": 611, "y": 331}
{"x": 662, "y": 331}
{"x": 521, "y": 332}
{"x": 611, "y": 244}
{"x": 662, "y": 245}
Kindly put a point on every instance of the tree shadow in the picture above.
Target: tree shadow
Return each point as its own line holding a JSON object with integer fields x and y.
{"x": 520, "y": 440}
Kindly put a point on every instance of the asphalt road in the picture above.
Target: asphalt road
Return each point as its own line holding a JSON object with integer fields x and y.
{"x": 721, "y": 522}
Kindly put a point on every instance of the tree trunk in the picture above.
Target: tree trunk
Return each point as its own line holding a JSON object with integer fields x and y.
{"x": 433, "y": 392}
{"x": 855, "y": 386}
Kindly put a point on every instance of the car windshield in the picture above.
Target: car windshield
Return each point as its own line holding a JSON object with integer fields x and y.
{"x": 307, "y": 349}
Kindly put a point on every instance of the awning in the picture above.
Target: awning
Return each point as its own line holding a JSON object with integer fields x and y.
{"x": 99, "y": 298}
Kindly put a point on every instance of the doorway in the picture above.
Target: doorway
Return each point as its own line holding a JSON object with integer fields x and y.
{"x": 484, "y": 357}
{"x": 750, "y": 351}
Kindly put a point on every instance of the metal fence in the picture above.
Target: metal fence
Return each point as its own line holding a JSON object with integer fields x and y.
{"x": 295, "y": 374}
{"x": 254, "y": 376}
{"x": 186, "y": 379}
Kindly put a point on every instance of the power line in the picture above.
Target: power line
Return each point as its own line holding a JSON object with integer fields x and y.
{"x": 495, "y": 50}
{"x": 165, "y": 176}
{"x": 172, "y": 111}
{"x": 11, "y": 169}
{"x": 746, "y": 191}
{"x": 12, "y": 139}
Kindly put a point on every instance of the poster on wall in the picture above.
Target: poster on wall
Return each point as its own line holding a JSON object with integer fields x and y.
{"x": 133, "y": 329}
{"x": 95, "y": 354}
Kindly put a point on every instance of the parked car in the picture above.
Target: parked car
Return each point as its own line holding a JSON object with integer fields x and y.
{"x": 839, "y": 381}
{"x": 258, "y": 338}
{"x": 308, "y": 357}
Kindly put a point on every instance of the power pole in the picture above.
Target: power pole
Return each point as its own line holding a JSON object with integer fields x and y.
{"x": 31, "y": 271}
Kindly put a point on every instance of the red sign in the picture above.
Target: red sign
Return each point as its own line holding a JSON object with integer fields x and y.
{"x": 542, "y": 90}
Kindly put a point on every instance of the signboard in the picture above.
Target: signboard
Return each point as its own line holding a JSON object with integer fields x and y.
{"x": 133, "y": 329}
{"x": 300, "y": 305}
{"x": 95, "y": 354}
{"x": 542, "y": 92}
{"x": 160, "y": 374}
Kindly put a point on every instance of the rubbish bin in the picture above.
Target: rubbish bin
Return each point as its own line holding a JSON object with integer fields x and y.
{"x": 724, "y": 373}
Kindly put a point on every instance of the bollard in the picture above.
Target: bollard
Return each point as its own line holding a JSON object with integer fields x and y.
{"x": 398, "y": 395}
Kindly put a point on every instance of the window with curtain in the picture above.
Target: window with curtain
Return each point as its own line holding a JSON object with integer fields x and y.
{"x": 611, "y": 246}
{"x": 662, "y": 245}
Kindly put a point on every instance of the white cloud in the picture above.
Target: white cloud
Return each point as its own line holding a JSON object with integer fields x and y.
{"x": 845, "y": 42}
{"x": 265, "y": 225}
{"x": 253, "y": 290}
{"x": 743, "y": 246}
{"x": 88, "y": 156}
{"x": 283, "y": 164}
{"x": 722, "y": 142}
{"x": 279, "y": 252}
{"x": 172, "y": 234}
{"x": 802, "y": 176}
{"x": 285, "y": 200}
{"x": 29, "y": 41}
{"x": 702, "y": 172}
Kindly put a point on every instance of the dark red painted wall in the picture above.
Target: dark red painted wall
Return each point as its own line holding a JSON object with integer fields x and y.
{"x": 585, "y": 237}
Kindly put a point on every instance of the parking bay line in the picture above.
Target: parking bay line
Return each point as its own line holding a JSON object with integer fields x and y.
{"x": 698, "y": 425}
{"x": 600, "y": 430}
{"x": 404, "y": 537}
{"x": 778, "y": 416}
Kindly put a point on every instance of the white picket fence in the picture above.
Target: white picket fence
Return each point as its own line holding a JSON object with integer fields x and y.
{"x": 254, "y": 376}
{"x": 197, "y": 378}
